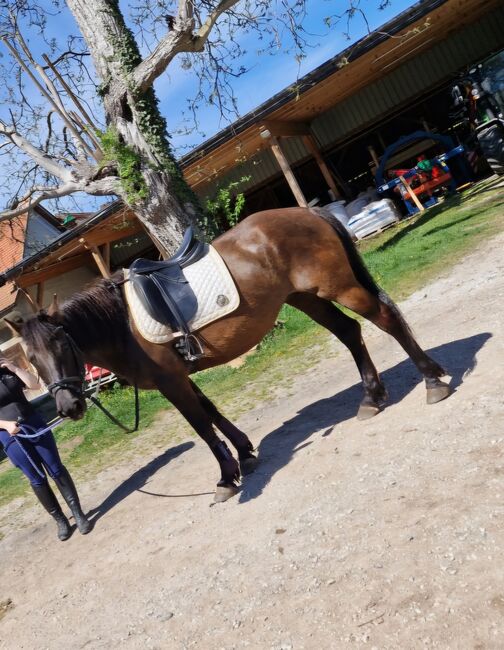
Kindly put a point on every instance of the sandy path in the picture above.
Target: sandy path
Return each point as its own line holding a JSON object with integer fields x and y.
{"x": 382, "y": 534}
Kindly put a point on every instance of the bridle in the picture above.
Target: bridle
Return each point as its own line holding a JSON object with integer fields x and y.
{"x": 74, "y": 384}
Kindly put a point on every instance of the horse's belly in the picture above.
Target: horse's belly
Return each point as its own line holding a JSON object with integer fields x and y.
{"x": 234, "y": 335}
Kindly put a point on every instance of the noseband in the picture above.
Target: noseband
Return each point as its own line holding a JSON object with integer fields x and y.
{"x": 75, "y": 384}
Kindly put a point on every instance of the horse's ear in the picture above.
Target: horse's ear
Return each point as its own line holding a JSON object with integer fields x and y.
{"x": 16, "y": 326}
{"x": 53, "y": 307}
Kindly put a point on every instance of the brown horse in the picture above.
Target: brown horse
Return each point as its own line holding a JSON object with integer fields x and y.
{"x": 303, "y": 257}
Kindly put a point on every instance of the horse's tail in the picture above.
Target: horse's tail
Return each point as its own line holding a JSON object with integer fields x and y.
{"x": 357, "y": 264}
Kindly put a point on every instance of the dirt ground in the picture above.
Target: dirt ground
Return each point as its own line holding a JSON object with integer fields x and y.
{"x": 380, "y": 534}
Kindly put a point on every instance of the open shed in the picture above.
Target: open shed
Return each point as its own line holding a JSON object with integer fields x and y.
{"x": 329, "y": 130}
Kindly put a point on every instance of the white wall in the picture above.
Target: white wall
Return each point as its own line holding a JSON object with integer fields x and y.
{"x": 66, "y": 284}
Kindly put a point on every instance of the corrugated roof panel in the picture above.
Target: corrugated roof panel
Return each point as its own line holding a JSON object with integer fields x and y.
{"x": 412, "y": 78}
{"x": 259, "y": 168}
{"x": 293, "y": 149}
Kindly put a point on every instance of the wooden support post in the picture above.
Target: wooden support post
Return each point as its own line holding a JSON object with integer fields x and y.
{"x": 374, "y": 155}
{"x": 412, "y": 194}
{"x": 312, "y": 147}
{"x": 105, "y": 251}
{"x": 40, "y": 295}
{"x": 287, "y": 171}
{"x": 100, "y": 262}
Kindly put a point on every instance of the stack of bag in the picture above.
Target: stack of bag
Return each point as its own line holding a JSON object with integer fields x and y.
{"x": 366, "y": 214}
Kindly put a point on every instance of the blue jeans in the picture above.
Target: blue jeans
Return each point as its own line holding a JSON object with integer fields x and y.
{"x": 41, "y": 453}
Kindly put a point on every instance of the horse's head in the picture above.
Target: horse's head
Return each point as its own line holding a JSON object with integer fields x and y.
{"x": 58, "y": 360}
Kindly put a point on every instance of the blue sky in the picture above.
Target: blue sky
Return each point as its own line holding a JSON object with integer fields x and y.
{"x": 269, "y": 74}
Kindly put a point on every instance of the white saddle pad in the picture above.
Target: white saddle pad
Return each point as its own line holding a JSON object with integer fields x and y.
{"x": 214, "y": 288}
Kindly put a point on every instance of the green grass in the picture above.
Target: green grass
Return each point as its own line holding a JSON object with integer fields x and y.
{"x": 402, "y": 259}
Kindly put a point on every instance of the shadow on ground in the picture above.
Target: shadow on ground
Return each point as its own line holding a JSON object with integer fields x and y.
{"x": 278, "y": 447}
{"x": 137, "y": 480}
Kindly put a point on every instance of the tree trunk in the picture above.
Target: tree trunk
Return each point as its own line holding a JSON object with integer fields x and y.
{"x": 152, "y": 183}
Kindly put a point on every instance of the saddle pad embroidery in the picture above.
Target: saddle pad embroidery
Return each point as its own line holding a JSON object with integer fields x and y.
{"x": 214, "y": 288}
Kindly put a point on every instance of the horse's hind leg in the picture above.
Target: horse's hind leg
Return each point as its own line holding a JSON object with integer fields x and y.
{"x": 381, "y": 311}
{"x": 248, "y": 462}
{"x": 348, "y": 331}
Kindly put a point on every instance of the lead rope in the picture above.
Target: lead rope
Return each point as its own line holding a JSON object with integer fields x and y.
{"x": 25, "y": 428}
{"x": 25, "y": 433}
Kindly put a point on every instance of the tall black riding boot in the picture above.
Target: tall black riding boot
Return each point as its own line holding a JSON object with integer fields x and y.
{"x": 48, "y": 499}
{"x": 68, "y": 491}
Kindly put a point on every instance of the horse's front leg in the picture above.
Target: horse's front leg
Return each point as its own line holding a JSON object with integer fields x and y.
{"x": 183, "y": 397}
{"x": 242, "y": 444}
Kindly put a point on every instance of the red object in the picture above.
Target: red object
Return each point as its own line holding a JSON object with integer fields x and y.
{"x": 95, "y": 372}
{"x": 428, "y": 186}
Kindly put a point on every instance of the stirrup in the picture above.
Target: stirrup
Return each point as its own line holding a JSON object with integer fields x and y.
{"x": 190, "y": 347}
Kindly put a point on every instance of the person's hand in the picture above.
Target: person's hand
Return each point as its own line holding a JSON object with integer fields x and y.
{"x": 12, "y": 428}
{"x": 10, "y": 366}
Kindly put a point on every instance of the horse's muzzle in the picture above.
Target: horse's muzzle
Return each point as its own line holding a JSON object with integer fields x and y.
{"x": 71, "y": 407}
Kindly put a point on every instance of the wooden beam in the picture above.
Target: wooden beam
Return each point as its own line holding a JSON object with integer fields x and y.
{"x": 285, "y": 129}
{"x": 287, "y": 171}
{"x": 109, "y": 235}
{"x": 412, "y": 194}
{"x": 105, "y": 251}
{"x": 100, "y": 262}
{"x": 46, "y": 273}
{"x": 312, "y": 147}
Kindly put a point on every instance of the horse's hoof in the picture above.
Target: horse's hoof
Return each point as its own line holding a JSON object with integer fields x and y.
{"x": 367, "y": 411}
{"x": 248, "y": 465}
{"x": 224, "y": 492}
{"x": 438, "y": 392}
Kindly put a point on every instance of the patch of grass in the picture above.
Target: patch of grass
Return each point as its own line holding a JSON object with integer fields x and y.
{"x": 12, "y": 484}
{"x": 402, "y": 259}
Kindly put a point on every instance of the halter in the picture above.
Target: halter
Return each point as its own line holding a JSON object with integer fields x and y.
{"x": 74, "y": 384}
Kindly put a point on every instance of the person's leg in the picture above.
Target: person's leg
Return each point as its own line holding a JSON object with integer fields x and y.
{"x": 69, "y": 492}
{"x": 48, "y": 451}
{"x": 22, "y": 455}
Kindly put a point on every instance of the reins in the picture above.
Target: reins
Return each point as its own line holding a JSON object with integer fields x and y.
{"x": 76, "y": 384}
{"x": 111, "y": 417}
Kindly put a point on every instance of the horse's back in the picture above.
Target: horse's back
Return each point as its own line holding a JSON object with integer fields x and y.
{"x": 284, "y": 232}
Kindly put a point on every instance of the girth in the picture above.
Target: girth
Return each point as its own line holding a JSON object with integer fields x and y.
{"x": 164, "y": 291}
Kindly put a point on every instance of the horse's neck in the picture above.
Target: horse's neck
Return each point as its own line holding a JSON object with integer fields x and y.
{"x": 96, "y": 342}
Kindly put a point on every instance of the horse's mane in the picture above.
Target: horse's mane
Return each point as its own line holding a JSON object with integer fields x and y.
{"x": 93, "y": 316}
{"x": 96, "y": 314}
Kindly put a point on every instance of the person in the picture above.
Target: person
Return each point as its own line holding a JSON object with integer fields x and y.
{"x": 36, "y": 457}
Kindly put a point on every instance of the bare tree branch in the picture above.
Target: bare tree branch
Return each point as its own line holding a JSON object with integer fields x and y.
{"x": 181, "y": 39}
{"x": 39, "y": 157}
{"x": 50, "y": 93}
{"x": 102, "y": 187}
